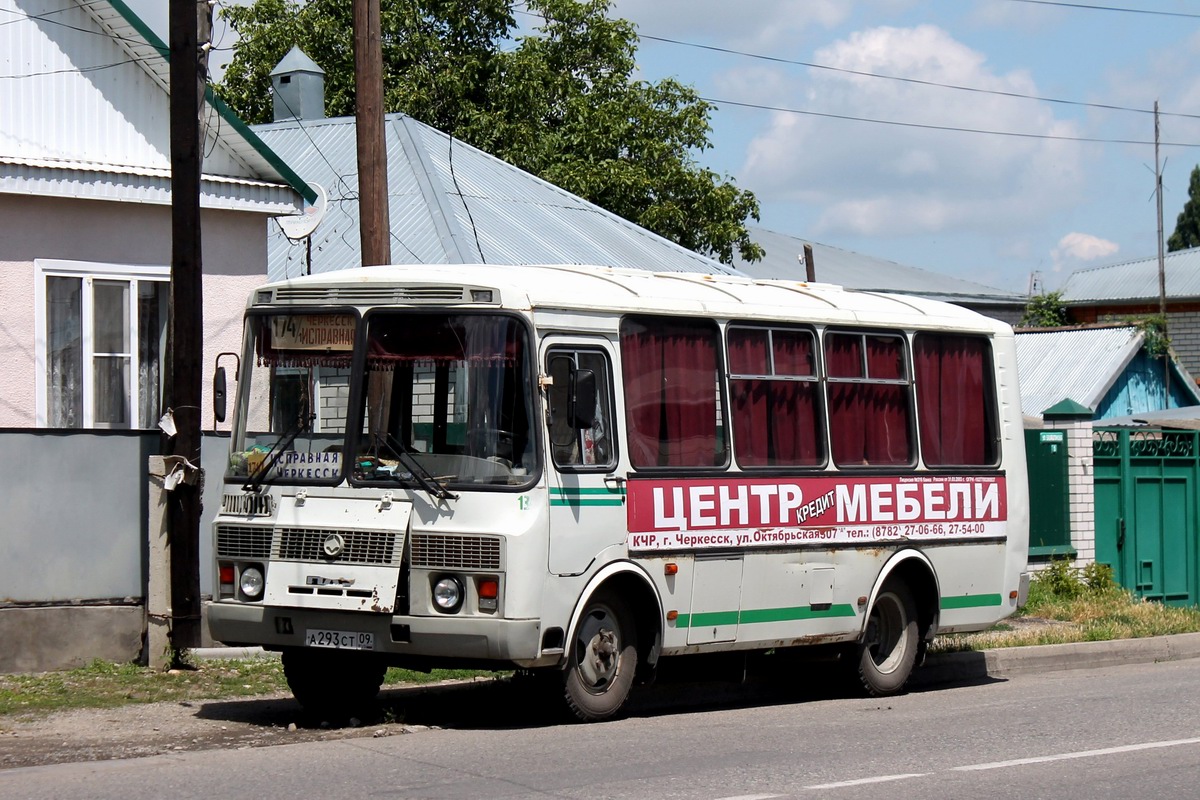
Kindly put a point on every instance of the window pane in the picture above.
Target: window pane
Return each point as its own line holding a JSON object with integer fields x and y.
{"x": 843, "y": 355}
{"x": 110, "y": 311}
{"x": 152, "y": 320}
{"x": 64, "y": 353}
{"x": 793, "y": 353}
{"x": 748, "y": 351}
{"x": 110, "y": 378}
{"x": 885, "y": 358}
{"x": 672, "y": 403}
{"x": 957, "y": 416}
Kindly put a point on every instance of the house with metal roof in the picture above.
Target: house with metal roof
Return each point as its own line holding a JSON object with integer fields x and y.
{"x": 785, "y": 259}
{"x": 85, "y": 193}
{"x": 449, "y": 202}
{"x": 1130, "y": 290}
{"x": 1104, "y": 370}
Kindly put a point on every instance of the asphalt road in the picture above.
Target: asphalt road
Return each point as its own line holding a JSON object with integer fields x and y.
{"x": 1114, "y": 731}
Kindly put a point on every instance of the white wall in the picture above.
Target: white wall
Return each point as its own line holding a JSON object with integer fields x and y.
{"x": 234, "y": 261}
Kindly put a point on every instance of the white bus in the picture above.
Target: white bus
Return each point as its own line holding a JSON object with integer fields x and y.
{"x": 585, "y": 471}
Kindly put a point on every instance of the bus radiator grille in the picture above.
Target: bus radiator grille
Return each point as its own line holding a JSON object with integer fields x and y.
{"x": 243, "y": 541}
{"x": 382, "y": 548}
{"x": 455, "y": 552}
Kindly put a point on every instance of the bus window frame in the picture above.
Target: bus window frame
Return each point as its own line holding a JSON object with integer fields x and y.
{"x": 908, "y": 381}
{"x": 606, "y": 392}
{"x": 817, "y": 379}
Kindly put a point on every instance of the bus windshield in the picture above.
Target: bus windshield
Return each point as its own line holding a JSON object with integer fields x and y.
{"x": 447, "y": 397}
{"x": 293, "y": 399}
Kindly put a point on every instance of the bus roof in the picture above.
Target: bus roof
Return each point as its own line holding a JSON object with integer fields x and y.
{"x": 592, "y": 290}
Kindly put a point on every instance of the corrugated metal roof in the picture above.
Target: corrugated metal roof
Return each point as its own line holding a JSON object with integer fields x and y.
{"x": 1080, "y": 365}
{"x": 1136, "y": 281}
{"x": 452, "y": 203}
{"x": 86, "y": 94}
{"x": 858, "y": 271}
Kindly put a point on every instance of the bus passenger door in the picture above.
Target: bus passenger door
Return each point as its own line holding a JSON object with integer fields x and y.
{"x": 587, "y": 492}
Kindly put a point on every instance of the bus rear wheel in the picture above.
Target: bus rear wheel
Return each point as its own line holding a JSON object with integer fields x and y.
{"x": 333, "y": 685}
{"x": 602, "y": 660}
{"x": 888, "y": 650}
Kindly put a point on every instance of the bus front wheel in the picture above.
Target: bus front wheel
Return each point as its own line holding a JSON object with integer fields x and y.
{"x": 602, "y": 660}
{"x": 888, "y": 650}
{"x": 332, "y": 684}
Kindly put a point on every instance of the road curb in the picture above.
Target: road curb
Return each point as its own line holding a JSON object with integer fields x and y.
{"x": 1008, "y": 661}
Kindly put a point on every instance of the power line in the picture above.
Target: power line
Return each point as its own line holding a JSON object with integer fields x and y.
{"x": 1090, "y": 7}
{"x": 950, "y": 128}
{"x": 902, "y": 79}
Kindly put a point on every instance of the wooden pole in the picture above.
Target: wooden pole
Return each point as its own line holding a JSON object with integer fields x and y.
{"x": 373, "y": 223}
{"x": 182, "y": 382}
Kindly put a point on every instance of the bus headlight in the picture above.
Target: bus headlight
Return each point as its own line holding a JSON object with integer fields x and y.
{"x": 448, "y": 594}
{"x": 251, "y": 582}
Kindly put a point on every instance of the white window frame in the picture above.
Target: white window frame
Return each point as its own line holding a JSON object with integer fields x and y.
{"x": 89, "y": 272}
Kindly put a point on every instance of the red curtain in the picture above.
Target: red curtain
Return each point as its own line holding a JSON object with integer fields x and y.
{"x": 774, "y": 421}
{"x": 957, "y": 427}
{"x": 868, "y": 420}
{"x": 670, "y": 379}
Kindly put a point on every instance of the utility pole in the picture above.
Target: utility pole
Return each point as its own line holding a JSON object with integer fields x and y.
{"x": 374, "y": 228}
{"x": 189, "y": 21}
{"x": 1162, "y": 270}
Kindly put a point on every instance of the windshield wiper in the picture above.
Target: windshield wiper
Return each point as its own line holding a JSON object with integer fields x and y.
{"x": 432, "y": 486}
{"x": 277, "y": 450}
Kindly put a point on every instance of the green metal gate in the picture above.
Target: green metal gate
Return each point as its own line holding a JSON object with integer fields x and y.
{"x": 1145, "y": 512}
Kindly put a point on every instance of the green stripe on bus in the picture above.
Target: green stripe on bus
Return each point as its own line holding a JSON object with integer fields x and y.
{"x": 758, "y": 615}
{"x": 972, "y": 601}
{"x": 578, "y": 496}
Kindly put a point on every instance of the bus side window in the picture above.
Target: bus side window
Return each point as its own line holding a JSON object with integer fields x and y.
{"x": 581, "y": 438}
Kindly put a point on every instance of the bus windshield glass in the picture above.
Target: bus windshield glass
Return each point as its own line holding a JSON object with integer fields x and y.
{"x": 446, "y": 398}
{"x": 293, "y": 399}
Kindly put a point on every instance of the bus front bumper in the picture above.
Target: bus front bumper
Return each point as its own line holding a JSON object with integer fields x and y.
{"x": 443, "y": 637}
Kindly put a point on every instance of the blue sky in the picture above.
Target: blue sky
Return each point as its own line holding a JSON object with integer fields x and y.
{"x": 984, "y": 207}
{"x": 1066, "y": 194}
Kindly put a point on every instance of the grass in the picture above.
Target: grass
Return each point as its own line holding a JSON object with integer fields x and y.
{"x": 1077, "y": 605}
{"x": 1065, "y": 605}
{"x": 102, "y": 684}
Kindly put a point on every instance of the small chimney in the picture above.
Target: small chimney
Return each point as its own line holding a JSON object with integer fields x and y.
{"x": 298, "y": 85}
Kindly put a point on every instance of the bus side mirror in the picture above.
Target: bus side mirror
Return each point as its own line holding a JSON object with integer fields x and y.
{"x": 219, "y": 394}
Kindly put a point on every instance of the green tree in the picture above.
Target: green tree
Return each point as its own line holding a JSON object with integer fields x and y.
{"x": 1045, "y": 310}
{"x": 1187, "y": 224}
{"x": 562, "y": 103}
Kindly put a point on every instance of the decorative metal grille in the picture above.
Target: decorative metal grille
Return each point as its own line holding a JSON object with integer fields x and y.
{"x": 361, "y": 547}
{"x": 1147, "y": 443}
{"x": 243, "y": 541}
{"x": 432, "y": 551}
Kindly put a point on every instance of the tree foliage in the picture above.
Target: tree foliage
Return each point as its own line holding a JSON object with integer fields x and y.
{"x": 1187, "y": 224}
{"x": 562, "y": 102}
{"x": 1045, "y": 310}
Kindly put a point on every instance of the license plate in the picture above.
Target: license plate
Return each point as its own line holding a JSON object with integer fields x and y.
{"x": 339, "y": 640}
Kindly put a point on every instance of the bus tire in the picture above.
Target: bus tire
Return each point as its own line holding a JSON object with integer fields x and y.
{"x": 333, "y": 685}
{"x": 602, "y": 659}
{"x": 888, "y": 650}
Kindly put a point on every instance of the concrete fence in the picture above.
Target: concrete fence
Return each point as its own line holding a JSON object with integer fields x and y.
{"x": 74, "y": 544}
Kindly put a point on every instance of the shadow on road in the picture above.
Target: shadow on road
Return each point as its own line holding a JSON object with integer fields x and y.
{"x": 683, "y": 686}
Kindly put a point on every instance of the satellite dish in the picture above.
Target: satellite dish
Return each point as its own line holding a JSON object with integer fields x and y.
{"x": 300, "y": 226}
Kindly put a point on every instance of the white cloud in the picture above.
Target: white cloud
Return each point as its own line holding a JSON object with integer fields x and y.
{"x": 757, "y": 24}
{"x": 890, "y": 179}
{"x": 1075, "y": 249}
